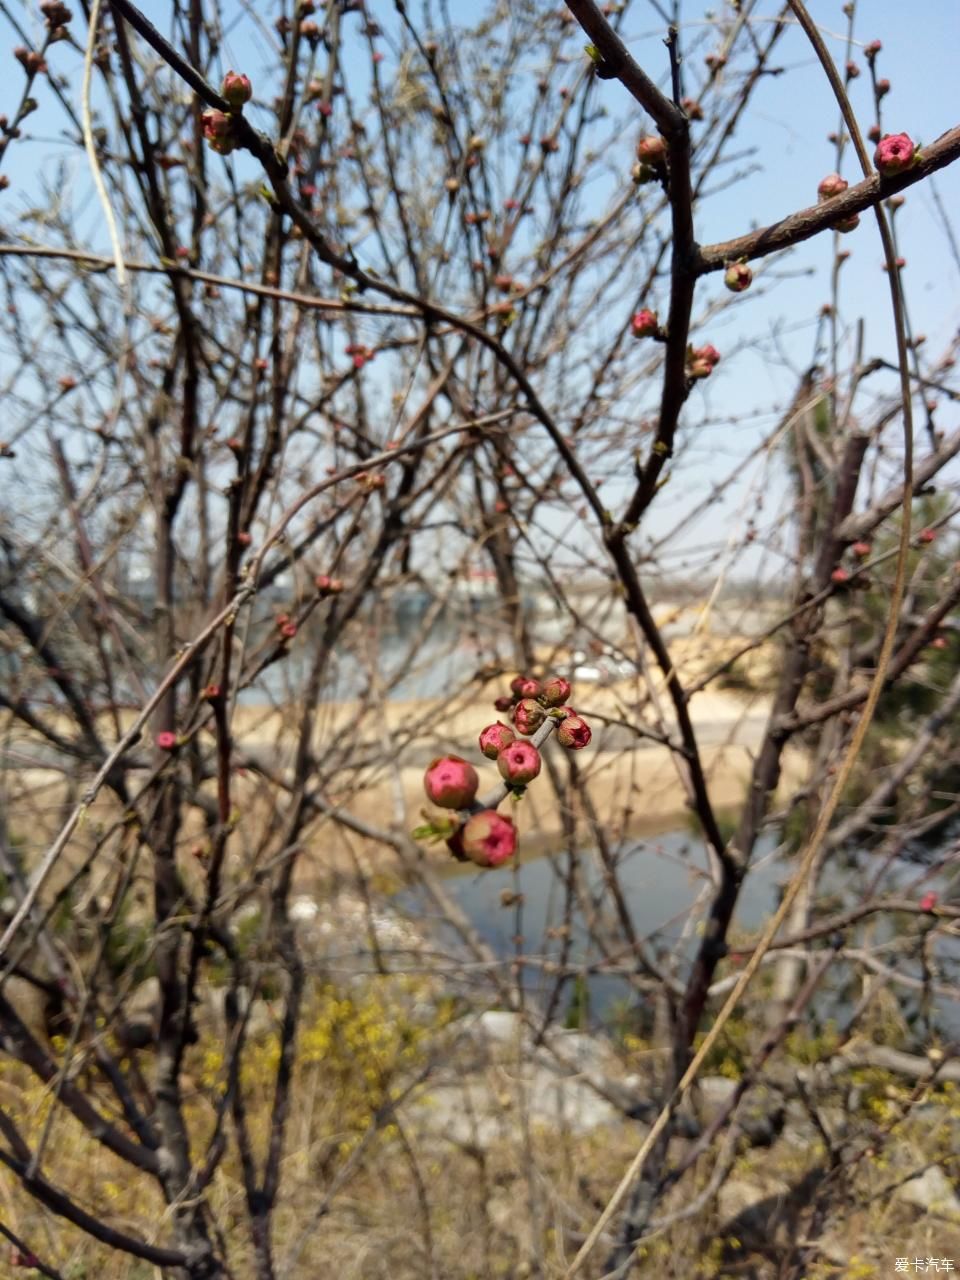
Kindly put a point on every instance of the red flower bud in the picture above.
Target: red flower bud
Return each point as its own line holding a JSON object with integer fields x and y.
{"x": 488, "y": 838}
{"x": 574, "y": 732}
{"x": 839, "y": 576}
{"x": 554, "y": 691}
{"x": 895, "y": 153}
{"x": 645, "y": 324}
{"x": 237, "y": 89}
{"x": 519, "y": 763}
{"x": 883, "y": 88}
{"x": 928, "y": 901}
{"x": 211, "y": 692}
{"x": 451, "y": 782}
{"x": 503, "y": 703}
{"x": 166, "y": 740}
{"x": 926, "y": 535}
{"x": 494, "y": 738}
{"x": 738, "y": 277}
{"x": 288, "y": 630}
{"x": 528, "y": 716}
{"x": 861, "y": 549}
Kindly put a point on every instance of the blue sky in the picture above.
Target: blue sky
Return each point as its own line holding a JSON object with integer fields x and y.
{"x": 783, "y": 151}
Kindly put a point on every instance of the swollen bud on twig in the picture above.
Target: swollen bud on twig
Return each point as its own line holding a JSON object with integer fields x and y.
{"x": 895, "y": 152}
{"x": 237, "y": 89}
{"x": 738, "y": 277}
{"x": 701, "y": 361}
{"x": 830, "y": 186}
{"x": 652, "y": 150}
{"x": 555, "y": 691}
{"x": 494, "y": 738}
{"x": 574, "y": 732}
{"x": 451, "y": 782}
{"x": 488, "y": 838}
{"x": 645, "y": 324}
{"x": 519, "y": 763}
{"x": 218, "y": 131}
{"x": 529, "y": 716}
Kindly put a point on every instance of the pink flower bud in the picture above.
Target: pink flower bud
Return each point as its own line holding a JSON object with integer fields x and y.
{"x": 852, "y": 71}
{"x": 701, "y": 361}
{"x": 645, "y": 324}
{"x": 574, "y": 732}
{"x": 529, "y": 716}
{"x": 561, "y": 713}
{"x": 832, "y": 185}
{"x": 861, "y": 549}
{"x": 894, "y": 154}
{"x": 652, "y": 150}
{"x": 928, "y": 901}
{"x": 488, "y": 838}
{"x": 211, "y": 692}
{"x": 451, "y": 782}
{"x": 166, "y": 740}
{"x": 839, "y": 576}
{"x": 871, "y": 50}
{"x": 494, "y": 738}
{"x": 926, "y": 536}
{"x": 555, "y": 691}
{"x": 882, "y": 88}
{"x": 519, "y": 763}
{"x": 738, "y": 277}
{"x": 288, "y": 630}
{"x": 503, "y": 703}
{"x": 522, "y": 686}
{"x": 237, "y": 89}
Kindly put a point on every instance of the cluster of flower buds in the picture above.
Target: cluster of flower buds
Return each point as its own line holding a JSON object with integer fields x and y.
{"x": 286, "y": 626}
{"x": 534, "y": 701}
{"x": 485, "y": 836}
{"x": 31, "y": 61}
{"x": 895, "y": 153}
{"x": 701, "y": 361}
{"x": 56, "y": 16}
{"x": 359, "y": 353}
{"x": 328, "y": 586}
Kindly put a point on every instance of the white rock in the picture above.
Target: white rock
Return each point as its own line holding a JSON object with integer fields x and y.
{"x": 933, "y": 1192}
